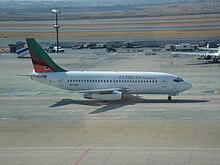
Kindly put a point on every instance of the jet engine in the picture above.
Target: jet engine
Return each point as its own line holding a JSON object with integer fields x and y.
{"x": 207, "y": 57}
{"x": 105, "y": 96}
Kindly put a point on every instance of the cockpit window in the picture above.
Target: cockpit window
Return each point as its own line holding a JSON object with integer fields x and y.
{"x": 178, "y": 79}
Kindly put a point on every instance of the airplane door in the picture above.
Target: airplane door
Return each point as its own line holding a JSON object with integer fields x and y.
{"x": 60, "y": 82}
{"x": 164, "y": 82}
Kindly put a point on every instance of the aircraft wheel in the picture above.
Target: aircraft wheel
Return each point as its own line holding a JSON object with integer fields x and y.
{"x": 215, "y": 60}
{"x": 169, "y": 98}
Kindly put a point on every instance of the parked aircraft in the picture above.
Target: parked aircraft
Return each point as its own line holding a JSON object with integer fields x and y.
{"x": 207, "y": 49}
{"x": 102, "y": 85}
{"x": 205, "y": 55}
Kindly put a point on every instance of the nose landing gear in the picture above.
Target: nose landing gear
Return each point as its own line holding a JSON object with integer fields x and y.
{"x": 169, "y": 97}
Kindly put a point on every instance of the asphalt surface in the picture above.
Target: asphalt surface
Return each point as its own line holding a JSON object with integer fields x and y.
{"x": 196, "y": 23}
{"x": 40, "y": 124}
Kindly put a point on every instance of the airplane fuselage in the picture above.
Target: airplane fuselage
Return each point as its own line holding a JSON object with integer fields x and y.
{"x": 136, "y": 82}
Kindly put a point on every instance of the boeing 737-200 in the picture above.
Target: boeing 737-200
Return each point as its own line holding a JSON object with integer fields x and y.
{"x": 101, "y": 85}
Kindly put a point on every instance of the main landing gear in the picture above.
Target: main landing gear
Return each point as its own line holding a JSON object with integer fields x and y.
{"x": 215, "y": 60}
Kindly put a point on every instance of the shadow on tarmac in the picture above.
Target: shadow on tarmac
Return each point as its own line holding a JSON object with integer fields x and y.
{"x": 111, "y": 105}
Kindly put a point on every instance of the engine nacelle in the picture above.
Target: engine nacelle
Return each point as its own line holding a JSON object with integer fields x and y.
{"x": 115, "y": 95}
{"x": 207, "y": 57}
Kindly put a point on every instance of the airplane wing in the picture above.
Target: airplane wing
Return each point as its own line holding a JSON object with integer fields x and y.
{"x": 105, "y": 94}
{"x": 102, "y": 91}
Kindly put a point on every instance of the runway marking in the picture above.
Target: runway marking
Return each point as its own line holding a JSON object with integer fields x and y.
{"x": 90, "y": 65}
{"x": 155, "y": 148}
{"x": 136, "y": 55}
{"x": 86, "y": 152}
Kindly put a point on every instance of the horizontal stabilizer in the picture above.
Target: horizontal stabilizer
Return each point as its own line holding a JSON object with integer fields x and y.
{"x": 32, "y": 75}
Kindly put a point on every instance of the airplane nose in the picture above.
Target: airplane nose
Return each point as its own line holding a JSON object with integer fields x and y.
{"x": 187, "y": 86}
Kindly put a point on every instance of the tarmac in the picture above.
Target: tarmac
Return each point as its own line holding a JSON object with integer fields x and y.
{"x": 44, "y": 125}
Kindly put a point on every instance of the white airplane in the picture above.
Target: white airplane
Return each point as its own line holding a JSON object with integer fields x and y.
{"x": 206, "y": 55}
{"x": 208, "y": 49}
{"x": 102, "y": 85}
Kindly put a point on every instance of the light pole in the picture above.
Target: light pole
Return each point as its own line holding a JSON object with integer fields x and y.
{"x": 56, "y": 26}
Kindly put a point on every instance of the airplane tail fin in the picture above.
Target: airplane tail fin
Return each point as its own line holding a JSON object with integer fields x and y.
{"x": 40, "y": 59}
{"x": 22, "y": 52}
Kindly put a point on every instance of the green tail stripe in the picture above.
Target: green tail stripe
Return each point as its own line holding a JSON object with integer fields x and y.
{"x": 36, "y": 50}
